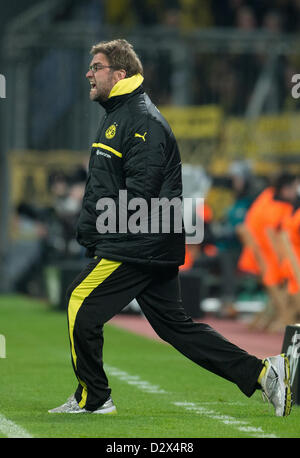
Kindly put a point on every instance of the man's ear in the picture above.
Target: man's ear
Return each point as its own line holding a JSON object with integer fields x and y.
{"x": 121, "y": 74}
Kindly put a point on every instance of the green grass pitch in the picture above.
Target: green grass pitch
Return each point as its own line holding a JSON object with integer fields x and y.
{"x": 158, "y": 392}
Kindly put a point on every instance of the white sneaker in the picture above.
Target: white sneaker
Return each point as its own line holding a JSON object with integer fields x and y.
{"x": 72, "y": 406}
{"x": 276, "y": 384}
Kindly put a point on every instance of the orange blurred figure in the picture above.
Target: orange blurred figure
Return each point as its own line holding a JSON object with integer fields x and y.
{"x": 262, "y": 253}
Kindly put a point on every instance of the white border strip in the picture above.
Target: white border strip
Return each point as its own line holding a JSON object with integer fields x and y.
{"x": 145, "y": 386}
{"x": 11, "y": 429}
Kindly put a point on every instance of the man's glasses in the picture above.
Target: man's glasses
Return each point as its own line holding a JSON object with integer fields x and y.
{"x": 97, "y": 66}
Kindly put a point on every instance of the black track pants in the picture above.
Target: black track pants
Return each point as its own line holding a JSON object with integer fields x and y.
{"x": 104, "y": 288}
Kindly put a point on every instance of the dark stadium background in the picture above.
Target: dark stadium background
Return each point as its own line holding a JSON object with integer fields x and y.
{"x": 221, "y": 74}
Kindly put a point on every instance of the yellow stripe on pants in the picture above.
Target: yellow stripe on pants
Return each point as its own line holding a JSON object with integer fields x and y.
{"x": 102, "y": 271}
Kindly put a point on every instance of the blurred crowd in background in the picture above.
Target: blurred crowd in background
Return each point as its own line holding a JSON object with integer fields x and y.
{"x": 252, "y": 248}
{"x": 234, "y": 258}
{"x": 218, "y": 79}
{"x": 46, "y": 235}
{"x": 276, "y": 16}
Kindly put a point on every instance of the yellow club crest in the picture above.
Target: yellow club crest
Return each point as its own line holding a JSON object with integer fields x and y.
{"x": 111, "y": 131}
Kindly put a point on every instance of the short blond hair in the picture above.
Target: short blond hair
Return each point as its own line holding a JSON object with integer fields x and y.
{"x": 120, "y": 55}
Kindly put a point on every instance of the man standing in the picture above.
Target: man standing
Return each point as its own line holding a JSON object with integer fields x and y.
{"x": 135, "y": 151}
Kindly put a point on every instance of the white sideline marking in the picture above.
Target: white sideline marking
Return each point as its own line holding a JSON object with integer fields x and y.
{"x": 135, "y": 380}
{"x": 11, "y": 429}
{"x": 143, "y": 385}
{"x": 241, "y": 425}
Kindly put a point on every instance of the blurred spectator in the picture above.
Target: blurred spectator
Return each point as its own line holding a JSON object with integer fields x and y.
{"x": 227, "y": 238}
{"x": 272, "y": 22}
{"x": 120, "y": 13}
{"x": 290, "y": 242}
{"x": 149, "y": 12}
{"x": 88, "y": 10}
{"x": 27, "y": 249}
{"x": 195, "y": 14}
{"x": 58, "y": 185}
{"x": 214, "y": 261}
{"x": 225, "y": 12}
{"x": 224, "y": 85}
{"x": 158, "y": 83}
{"x": 290, "y": 12}
{"x": 172, "y": 17}
{"x": 67, "y": 194}
{"x": 260, "y": 254}
{"x": 245, "y": 18}
{"x": 201, "y": 265}
{"x": 44, "y": 235}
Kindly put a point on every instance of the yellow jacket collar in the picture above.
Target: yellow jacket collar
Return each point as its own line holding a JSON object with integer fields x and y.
{"x": 126, "y": 85}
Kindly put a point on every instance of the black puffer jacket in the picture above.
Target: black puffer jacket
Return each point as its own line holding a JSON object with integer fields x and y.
{"x": 135, "y": 150}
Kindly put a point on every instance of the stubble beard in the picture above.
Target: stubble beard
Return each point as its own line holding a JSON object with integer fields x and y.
{"x": 101, "y": 94}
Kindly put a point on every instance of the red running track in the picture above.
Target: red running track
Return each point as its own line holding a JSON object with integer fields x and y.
{"x": 258, "y": 343}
